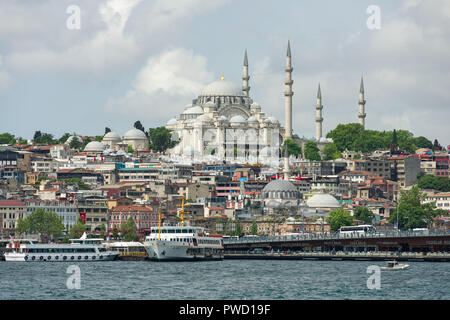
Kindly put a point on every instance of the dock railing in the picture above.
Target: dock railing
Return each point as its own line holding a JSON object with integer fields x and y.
{"x": 389, "y": 234}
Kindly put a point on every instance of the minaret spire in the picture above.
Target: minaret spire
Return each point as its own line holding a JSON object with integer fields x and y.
{"x": 319, "y": 118}
{"x": 361, "y": 103}
{"x": 245, "y": 76}
{"x": 286, "y": 169}
{"x": 288, "y": 93}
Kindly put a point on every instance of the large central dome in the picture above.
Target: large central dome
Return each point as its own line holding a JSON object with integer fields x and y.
{"x": 221, "y": 88}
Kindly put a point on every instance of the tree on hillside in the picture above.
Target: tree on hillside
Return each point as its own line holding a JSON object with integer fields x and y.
{"x": 344, "y": 135}
{"x": 138, "y": 125}
{"x": 293, "y": 147}
{"x": 75, "y": 143}
{"x": 412, "y": 212}
{"x": 160, "y": 139}
{"x": 7, "y": 138}
{"x": 40, "y": 137}
{"x": 64, "y": 138}
{"x": 331, "y": 152}
{"x": 338, "y": 218}
{"x": 312, "y": 151}
{"x": 45, "y": 223}
{"x": 363, "y": 214}
{"x": 432, "y": 182}
{"x": 422, "y": 142}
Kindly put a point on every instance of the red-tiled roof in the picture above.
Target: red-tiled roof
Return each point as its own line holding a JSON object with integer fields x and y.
{"x": 132, "y": 208}
{"x": 12, "y": 203}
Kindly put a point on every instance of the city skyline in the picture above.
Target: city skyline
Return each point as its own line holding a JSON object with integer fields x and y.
{"x": 136, "y": 60}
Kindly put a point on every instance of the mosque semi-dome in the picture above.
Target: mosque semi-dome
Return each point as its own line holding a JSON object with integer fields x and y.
{"x": 194, "y": 110}
{"x": 323, "y": 200}
{"x": 171, "y": 122}
{"x": 221, "y": 88}
{"x": 238, "y": 119}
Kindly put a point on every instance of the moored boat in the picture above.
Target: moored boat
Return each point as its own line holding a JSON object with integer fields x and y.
{"x": 182, "y": 242}
{"x": 78, "y": 250}
{"x": 129, "y": 251}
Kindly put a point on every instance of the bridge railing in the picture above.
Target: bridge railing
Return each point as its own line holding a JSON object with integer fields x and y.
{"x": 325, "y": 236}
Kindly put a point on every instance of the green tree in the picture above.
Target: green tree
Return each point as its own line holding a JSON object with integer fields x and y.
{"x": 64, "y": 138}
{"x": 128, "y": 230}
{"x": 160, "y": 139}
{"x": 432, "y": 182}
{"x": 7, "y": 138}
{"x": 412, "y": 212}
{"x": 331, "y": 152}
{"x": 422, "y": 142}
{"x": 78, "y": 229}
{"x": 345, "y": 134}
{"x": 363, "y": 214}
{"x": 107, "y": 130}
{"x": 238, "y": 231}
{"x": 40, "y": 137}
{"x": 45, "y": 223}
{"x": 293, "y": 147}
{"x": 312, "y": 151}
{"x": 130, "y": 149}
{"x": 254, "y": 229}
{"x": 75, "y": 143}
{"x": 138, "y": 125}
{"x": 338, "y": 218}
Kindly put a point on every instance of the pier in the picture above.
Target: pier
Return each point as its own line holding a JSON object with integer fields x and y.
{"x": 344, "y": 256}
{"x": 411, "y": 246}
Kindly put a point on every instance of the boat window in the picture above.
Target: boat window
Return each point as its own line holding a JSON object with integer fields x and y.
{"x": 184, "y": 230}
{"x": 171, "y": 231}
{"x": 178, "y": 230}
{"x": 191, "y": 231}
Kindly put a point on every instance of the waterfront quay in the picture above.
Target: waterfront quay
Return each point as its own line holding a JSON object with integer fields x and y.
{"x": 411, "y": 246}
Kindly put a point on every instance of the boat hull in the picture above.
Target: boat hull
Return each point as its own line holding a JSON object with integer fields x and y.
{"x": 161, "y": 252}
{"x": 52, "y": 257}
{"x": 404, "y": 267}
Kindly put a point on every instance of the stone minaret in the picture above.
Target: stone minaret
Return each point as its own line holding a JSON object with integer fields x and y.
{"x": 288, "y": 93}
{"x": 245, "y": 77}
{"x": 319, "y": 118}
{"x": 362, "y": 102}
{"x": 286, "y": 169}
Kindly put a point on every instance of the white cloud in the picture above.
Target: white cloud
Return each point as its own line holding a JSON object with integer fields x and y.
{"x": 164, "y": 86}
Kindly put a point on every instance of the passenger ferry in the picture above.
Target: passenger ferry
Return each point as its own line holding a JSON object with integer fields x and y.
{"x": 78, "y": 250}
{"x": 182, "y": 242}
{"x": 178, "y": 243}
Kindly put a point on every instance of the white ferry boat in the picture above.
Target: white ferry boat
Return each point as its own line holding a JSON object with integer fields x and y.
{"x": 183, "y": 243}
{"x": 78, "y": 250}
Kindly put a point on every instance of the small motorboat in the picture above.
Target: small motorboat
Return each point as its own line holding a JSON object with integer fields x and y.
{"x": 394, "y": 265}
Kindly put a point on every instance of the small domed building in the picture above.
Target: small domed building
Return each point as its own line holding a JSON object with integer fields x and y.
{"x": 95, "y": 147}
{"x": 281, "y": 196}
{"x": 323, "y": 202}
{"x": 136, "y": 138}
{"x": 111, "y": 139}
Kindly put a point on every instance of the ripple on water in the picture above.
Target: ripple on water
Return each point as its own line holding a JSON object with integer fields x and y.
{"x": 228, "y": 279}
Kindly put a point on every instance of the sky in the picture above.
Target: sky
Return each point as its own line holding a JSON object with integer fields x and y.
{"x": 79, "y": 66}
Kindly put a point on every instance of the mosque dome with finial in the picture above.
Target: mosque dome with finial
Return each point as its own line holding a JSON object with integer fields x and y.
{"x": 221, "y": 88}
